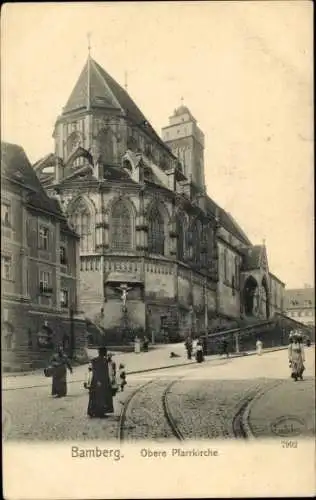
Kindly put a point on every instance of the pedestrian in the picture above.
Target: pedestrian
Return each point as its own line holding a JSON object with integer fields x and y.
{"x": 259, "y": 347}
{"x": 112, "y": 374}
{"x": 136, "y": 345}
{"x": 122, "y": 376}
{"x": 194, "y": 346}
{"x": 99, "y": 385}
{"x": 188, "y": 346}
{"x": 145, "y": 344}
{"x": 225, "y": 348}
{"x": 59, "y": 364}
{"x": 296, "y": 356}
{"x": 199, "y": 352}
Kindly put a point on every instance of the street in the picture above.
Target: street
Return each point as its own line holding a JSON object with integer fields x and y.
{"x": 246, "y": 397}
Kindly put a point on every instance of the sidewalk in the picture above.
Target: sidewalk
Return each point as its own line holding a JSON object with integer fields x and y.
{"x": 155, "y": 359}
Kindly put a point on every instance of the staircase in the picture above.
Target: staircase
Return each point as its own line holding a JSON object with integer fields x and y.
{"x": 273, "y": 332}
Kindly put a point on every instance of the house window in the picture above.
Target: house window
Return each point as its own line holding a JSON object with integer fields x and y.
{"x": 43, "y": 238}
{"x": 64, "y": 298}
{"x": 121, "y": 227}
{"x": 63, "y": 259}
{"x": 7, "y": 267}
{"x": 6, "y": 214}
{"x": 236, "y": 273}
{"x": 45, "y": 281}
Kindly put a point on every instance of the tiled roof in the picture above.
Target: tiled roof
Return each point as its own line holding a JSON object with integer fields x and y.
{"x": 106, "y": 93}
{"x": 16, "y": 166}
{"x": 299, "y": 297}
{"x": 227, "y": 221}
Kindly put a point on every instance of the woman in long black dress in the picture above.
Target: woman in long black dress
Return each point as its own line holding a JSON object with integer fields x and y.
{"x": 100, "y": 388}
{"x": 59, "y": 364}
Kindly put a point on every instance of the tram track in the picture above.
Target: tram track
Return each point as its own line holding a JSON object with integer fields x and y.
{"x": 241, "y": 420}
{"x": 172, "y": 425}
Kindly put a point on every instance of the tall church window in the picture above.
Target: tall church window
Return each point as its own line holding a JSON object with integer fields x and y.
{"x": 181, "y": 237}
{"x": 225, "y": 265}
{"x": 237, "y": 273}
{"x": 81, "y": 220}
{"x": 156, "y": 232}
{"x": 73, "y": 142}
{"x": 196, "y": 240}
{"x": 121, "y": 227}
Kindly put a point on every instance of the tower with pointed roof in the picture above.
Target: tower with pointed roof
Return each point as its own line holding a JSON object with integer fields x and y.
{"x": 186, "y": 140}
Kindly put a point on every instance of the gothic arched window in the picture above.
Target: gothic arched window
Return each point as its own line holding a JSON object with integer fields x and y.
{"x": 121, "y": 226}
{"x": 81, "y": 220}
{"x": 181, "y": 237}
{"x": 156, "y": 232}
{"x": 225, "y": 259}
{"x": 73, "y": 142}
{"x": 237, "y": 277}
{"x": 196, "y": 240}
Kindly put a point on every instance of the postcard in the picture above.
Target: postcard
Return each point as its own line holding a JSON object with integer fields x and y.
{"x": 158, "y": 300}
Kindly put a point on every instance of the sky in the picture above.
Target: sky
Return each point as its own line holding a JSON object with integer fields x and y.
{"x": 244, "y": 69}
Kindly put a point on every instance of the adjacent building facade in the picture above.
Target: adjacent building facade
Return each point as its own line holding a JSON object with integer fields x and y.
{"x": 40, "y": 268}
{"x": 300, "y": 305}
{"x": 148, "y": 230}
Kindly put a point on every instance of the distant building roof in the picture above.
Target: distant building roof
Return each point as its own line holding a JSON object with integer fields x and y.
{"x": 299, "y": 297}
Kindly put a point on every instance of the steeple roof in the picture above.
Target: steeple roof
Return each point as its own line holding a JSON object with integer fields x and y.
{"x": 96, "y": 89}
{"x": 91, "y": 90}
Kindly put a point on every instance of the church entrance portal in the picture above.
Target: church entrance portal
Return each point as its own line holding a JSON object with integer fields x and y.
{"x": 251, "y": 293}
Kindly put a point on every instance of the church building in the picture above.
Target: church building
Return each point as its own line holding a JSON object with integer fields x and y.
{"x": 156, "y": 252}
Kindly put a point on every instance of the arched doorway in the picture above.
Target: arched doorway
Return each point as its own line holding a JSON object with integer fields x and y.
{"x": 251, "y": 296}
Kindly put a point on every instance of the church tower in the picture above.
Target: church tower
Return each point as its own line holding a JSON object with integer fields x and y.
{"x": 186, "y": 141}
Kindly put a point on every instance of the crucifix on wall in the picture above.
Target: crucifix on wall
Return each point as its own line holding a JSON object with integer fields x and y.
{"x": 123, "y": 288}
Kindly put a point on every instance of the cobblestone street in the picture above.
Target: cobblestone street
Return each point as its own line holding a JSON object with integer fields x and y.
{"x": 186, "y": 402}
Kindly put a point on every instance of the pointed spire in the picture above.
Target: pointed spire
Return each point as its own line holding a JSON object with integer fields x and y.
{"x": 89, "y": 72}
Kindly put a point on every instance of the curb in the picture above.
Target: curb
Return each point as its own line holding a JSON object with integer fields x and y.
{"x": 146, "y": 370}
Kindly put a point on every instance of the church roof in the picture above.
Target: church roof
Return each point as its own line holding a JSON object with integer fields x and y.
{"x": 182, "y": 110}
{"x": 227, "y": 221}
{"x": 105, "y": 92}
{"x": 16, "y": 166}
